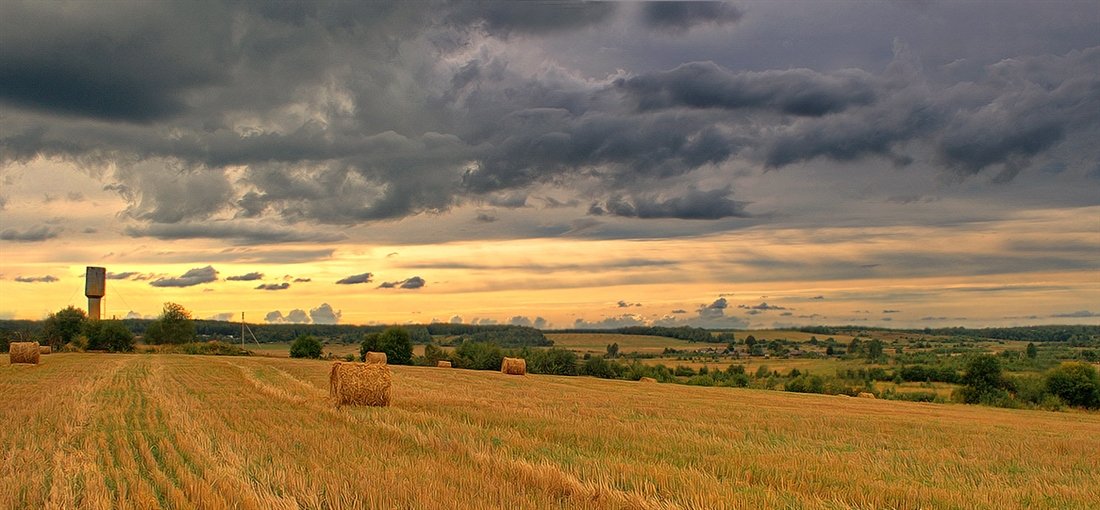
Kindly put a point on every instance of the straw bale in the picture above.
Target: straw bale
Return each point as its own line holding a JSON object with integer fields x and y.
{"x": 514, "y": 366}
{"x": 376, "y": 357}
{"x": 864, "y": 394}
{"x": 443, "y": 364}
{"x": 23, "y": 352}
{"x": 45, "y": 349}
{"x": 364, "y": 384}
{"x": 647, "y": 379}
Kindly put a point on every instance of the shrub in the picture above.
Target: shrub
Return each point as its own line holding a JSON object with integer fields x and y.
{"x": 551, "y": 361}
{"x": 109, "y": 336}
{"x": 305, "y": 346}
{"x": 1076, "y": 384}
{"x": 62, "y": 327}
{"x": 478, "y": 356}
{"x": 983, "y": 381}
{"x": 174, "y": 326}
{"x": 395, "y": 342}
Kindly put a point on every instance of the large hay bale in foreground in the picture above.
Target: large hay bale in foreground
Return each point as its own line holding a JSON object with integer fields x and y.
{"x": 45, "y": 349}
{"x": 376, "y": 357}
{"x": 514, "y": 366}
{"x": 443, "y": 364}
{"x": 363, "y": 384}
{"x": 864, "y": 394}
{"x": 23, "y": 352}
{"x": 647, "y": 379}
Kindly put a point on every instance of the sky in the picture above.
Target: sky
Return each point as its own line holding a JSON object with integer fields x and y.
{"x": 555, "y": 164}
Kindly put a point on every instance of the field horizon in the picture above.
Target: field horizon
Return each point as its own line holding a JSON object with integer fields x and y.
{"x": 176, "y": 431}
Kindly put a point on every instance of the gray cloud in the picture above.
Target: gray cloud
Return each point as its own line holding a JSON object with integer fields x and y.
{"x": 1079, "y": 314}
{"x": 242, "y": 233}
{"x": 274, "y": 317}
{"x": 191, "y": 278}
{"x": 123, "y": 276}
{"x": 415, "y": 282}
{"x": 297, "y": 316}
{"x": 324, "y": 314}
{"x": 625, "y": 304}
{"x": 223, "y": 317}
{"x": 29, "y": 235}
{"x": 355, "y": 279}
{"x": 800, "y": 92}
{"x": 520, "y": 320}
{"x": 273, "y": 286}
{"x": 693, "y": 205}
{"x": 303, "y": 280}
{"x": 37, "y": 279}
{"x": 284, "y": 116}
{"x": 247, "y": 277}
{"x": 680, "y": 16}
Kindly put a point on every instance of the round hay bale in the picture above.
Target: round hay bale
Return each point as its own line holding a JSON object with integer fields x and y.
{"x": 361, "y": 384}
{"x": 443, "y": 364}
{"x": 864, "y": 394}
{"x": 647, "y": 379}
{"x": 45, "y": 349}
{"x": 376, "y": 358}
{"x": 514, "y": 366}
{"x": 23, "y": 352}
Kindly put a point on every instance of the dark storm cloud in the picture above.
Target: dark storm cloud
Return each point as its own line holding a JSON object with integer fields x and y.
{"x": 30, "y": 235}
{"x": 273, "y": 286}
{"x": 680, "y": 16}
{"x": 191, "y": 278}
{"x": 53, "y": 57}
{"x": 707, "y": 85}
{"x": 37, "y": 279}
{"x": 415, "y": 282}
{"x": 247, "y": 277}
{"x": 355, "y": 279}
{"x": 350, "y": 113}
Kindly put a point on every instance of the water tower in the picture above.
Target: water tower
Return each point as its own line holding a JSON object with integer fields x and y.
{"x": 95, "y": 287}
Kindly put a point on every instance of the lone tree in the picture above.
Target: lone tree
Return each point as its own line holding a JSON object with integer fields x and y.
{"x": 613, "y": 350}
{"x": 61, "y": 327}
{"x": 1032, "y": 351}
{"x": 305, "y": 346}
{"x": 174, "y": 326}
{"x": 983, "y": 380}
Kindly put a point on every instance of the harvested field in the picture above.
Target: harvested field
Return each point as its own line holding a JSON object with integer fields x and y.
{"x": 172, "y": 431}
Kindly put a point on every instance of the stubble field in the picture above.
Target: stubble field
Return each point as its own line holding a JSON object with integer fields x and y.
{"x": 174, "y": 431}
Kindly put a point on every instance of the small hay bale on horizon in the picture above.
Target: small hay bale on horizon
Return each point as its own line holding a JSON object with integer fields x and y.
{"x": 376, "y": 357}
{"x": 647, "y": 379}
{"x": 864, "y": 394}
{"x": 364, "y": 384}
{"x": 514, "y": 366}
{"x": 443, "y": 364}
{"x": 23, "y": 352}
{"x": 45, "y": 349}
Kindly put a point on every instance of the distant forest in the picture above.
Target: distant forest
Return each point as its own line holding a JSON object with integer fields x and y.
{"x": 503, "y": 335}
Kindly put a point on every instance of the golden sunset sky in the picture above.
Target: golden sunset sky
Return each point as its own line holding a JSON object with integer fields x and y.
{"x": 716, "y": 164}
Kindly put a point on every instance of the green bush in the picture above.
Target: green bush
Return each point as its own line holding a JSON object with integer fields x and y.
{"x": 396, "y": 342}
{"x": 305, "y": 346}
{"x": 111, "y": 336}
{"x": 551, "y": 361}
{"x": 1076, "y": 384}
{"x": 478, "y": 356}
